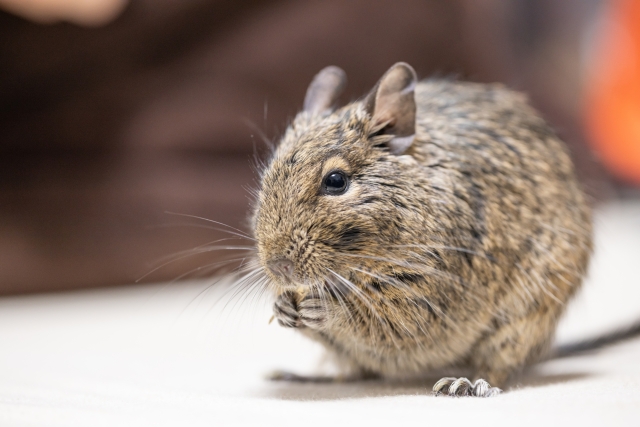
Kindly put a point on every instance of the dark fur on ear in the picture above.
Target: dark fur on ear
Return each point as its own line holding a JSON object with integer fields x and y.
{"x": 392, "y": 105}
{"x": 324, "y": 90}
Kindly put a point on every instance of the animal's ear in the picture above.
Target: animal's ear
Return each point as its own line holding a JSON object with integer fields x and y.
{"x": 324, "y": 90}
{"x": 392, "y": 106}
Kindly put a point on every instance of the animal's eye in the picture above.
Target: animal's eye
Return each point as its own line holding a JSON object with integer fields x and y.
{"x": 335, "y": 183}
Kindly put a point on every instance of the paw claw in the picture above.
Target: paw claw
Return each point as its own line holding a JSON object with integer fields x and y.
{"x": 442, "y": 386}
{"x": 460, "y": 387}
{"x": 481, "y": 388}
{"x": 493, "y": 391}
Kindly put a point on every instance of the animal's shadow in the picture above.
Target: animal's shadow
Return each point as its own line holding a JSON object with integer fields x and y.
{"x": 324, "y": 390}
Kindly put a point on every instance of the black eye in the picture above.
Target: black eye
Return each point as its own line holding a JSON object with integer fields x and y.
{"x": 335, "y": 183}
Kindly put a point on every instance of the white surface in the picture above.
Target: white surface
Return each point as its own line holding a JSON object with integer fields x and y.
{"x": 165, "y": 355}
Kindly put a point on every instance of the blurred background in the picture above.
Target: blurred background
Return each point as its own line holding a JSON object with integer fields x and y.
{"x": 113, "y": 113}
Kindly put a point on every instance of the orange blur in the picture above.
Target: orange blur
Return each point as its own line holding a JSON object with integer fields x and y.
{"x": 613, "y": 91}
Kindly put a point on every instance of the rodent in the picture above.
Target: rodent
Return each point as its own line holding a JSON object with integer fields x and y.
{"x": 429, "y": 225}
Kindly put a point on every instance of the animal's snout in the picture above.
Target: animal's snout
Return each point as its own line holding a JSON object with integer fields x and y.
{"x": 281, "y": 267}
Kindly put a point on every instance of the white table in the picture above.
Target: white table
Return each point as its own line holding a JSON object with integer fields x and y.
{"x": 157, "y": 355}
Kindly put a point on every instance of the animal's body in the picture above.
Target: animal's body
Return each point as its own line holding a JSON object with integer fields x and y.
{"x": 459, "y": 234}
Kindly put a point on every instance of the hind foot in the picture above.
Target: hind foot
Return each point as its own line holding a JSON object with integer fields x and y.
{"x": 286, "y": 376}
{"x": 460, "y": 387}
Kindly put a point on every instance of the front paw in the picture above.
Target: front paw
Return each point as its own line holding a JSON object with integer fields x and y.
{"x": 286, "y": 311}
{"x": 311, "y": 312}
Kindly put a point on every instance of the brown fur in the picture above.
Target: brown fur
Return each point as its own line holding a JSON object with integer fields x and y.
{"x": 461, "y": 251}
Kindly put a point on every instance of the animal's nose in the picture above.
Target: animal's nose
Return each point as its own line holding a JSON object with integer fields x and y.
{"x": 281, "y": 267}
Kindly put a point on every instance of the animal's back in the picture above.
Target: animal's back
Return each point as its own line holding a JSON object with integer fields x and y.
{"x": 525, "y": 212}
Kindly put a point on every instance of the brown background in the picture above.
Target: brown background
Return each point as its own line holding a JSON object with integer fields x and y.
{"x": 103, "y": 130}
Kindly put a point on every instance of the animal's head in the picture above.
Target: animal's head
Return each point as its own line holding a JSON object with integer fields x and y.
{"x": 334, "y": 196}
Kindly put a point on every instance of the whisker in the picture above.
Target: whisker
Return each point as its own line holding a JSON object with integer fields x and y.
{"x": 360, "y": 295}
{"x": 197, "y": 250}
{"x": 198, "y": 295}
{"x": 241, "y": 233}
{"x": 415, "y": 267}
{"x": 341, "y": 297}
{"x": 395, "y": 282}
{"x": 206, "y": 289}
{"x": 207, "y": 268}
{"x": 238, "y": 286}
{"x": 191, "y": 225}
{"x": 261, "y": 134}
{"x": 462, "y": 286}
